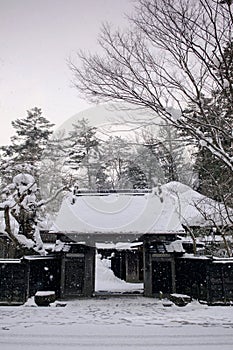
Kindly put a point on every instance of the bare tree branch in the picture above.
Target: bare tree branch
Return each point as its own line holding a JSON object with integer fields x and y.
{"x": 172, "y": 51}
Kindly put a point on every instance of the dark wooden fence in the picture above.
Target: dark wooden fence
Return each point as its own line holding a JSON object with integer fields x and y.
{"x": 68, "y": 274}
{"x": 13, "y": 282}
{"x": 205, "y": 279}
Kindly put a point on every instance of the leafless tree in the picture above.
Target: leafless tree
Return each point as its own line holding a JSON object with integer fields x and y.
{"x": 171, "y": 52}
{"x": 220, "y": 219}
{"x": 204, "y": 215}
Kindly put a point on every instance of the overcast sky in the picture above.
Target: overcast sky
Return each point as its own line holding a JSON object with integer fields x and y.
{"x": 36, "y": 38}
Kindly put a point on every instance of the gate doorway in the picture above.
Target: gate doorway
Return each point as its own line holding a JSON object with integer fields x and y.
{"x": 107, "y": 283}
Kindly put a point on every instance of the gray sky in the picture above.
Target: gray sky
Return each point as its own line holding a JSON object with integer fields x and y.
{"x": 36, "y": 38}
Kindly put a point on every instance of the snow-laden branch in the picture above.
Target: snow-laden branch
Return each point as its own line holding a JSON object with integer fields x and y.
{"x": 54, "y": 196}
{"x": 20, "y": 212}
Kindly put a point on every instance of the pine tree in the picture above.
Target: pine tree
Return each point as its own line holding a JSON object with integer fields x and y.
{"x": 27, "y": 145}
{"x": 102, "y": 180}
{"x": 53, "y": 174}
{"x": 115, "y": 156}
{"x": 147, "y": 159}
{"x": 136, "y": 176}
{"x": 156, "y": 158}
{"x": 83, "y": 151}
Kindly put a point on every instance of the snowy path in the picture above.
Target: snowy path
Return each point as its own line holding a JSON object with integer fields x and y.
{"x": 117, "y": 323}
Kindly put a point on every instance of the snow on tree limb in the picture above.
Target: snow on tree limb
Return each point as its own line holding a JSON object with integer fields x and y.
{"x": 21, "y": 208}
{"x": 46, "y": 201}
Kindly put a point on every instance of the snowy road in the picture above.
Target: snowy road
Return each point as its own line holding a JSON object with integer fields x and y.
{"x": 108, "y": 337}
{"x": 116, "y": 323}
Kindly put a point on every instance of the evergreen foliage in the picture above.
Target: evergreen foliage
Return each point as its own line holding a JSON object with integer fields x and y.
{"x": 115, "y": 155}
{"x": 116, "y": 162}
{"x": 27, "y": 145}
{"x": 82, "y": 151}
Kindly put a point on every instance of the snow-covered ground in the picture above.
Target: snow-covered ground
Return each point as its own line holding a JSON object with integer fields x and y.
{"x": 116, "y": 323}
{"x": 119, "y": 322}
{"x": 107, "y": 281}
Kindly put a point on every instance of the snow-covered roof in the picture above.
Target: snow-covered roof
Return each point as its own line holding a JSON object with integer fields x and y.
{"x": 118, "y": 213}
{"x": 194, "y": 209}
{"x": 137, "y": 214}
{"x": 121, "y": 217}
